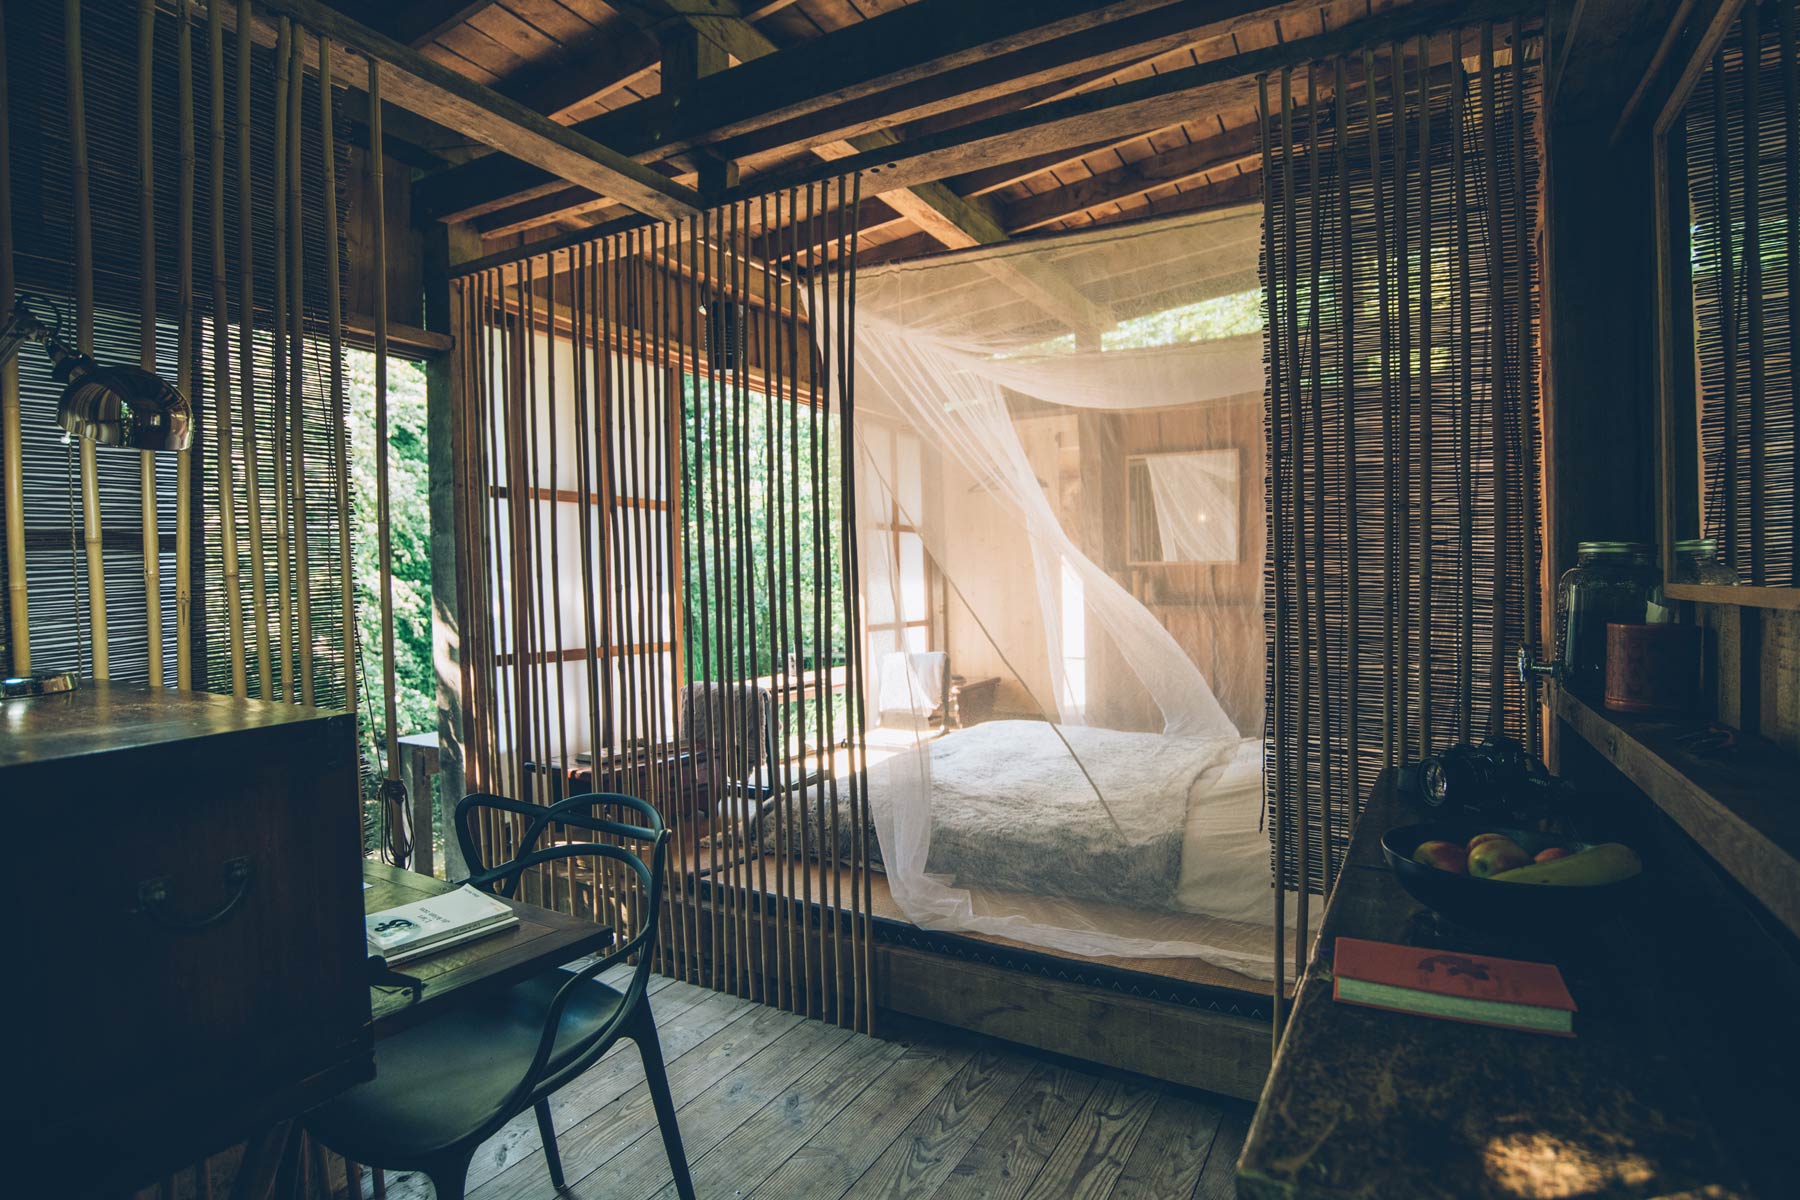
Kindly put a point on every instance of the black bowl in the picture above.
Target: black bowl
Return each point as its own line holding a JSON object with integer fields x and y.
{"x": 1492, "y": 903}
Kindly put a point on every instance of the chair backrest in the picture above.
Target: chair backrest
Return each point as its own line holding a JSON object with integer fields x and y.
{"x": 733, "y": 721}
{"x": 502, "y": 879}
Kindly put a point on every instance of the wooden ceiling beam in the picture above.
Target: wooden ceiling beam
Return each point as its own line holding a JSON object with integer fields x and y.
{"x": 1155, "y": 102}
{"x": 415, "y": 22}
{"x": 439, "y": 94}
{"x": 896, "y": 50}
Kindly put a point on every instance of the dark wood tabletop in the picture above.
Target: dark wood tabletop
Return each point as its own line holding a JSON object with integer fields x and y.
{"x": 1660, "y": 1093}
{"x": 541, "y": 941}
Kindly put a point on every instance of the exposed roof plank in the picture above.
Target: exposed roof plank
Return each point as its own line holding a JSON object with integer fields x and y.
{"x": 888, "y": 52}
{"x": 1235, "y": 147}
{"x": 439, "y": 94}
{"x": 1142, "y": 105}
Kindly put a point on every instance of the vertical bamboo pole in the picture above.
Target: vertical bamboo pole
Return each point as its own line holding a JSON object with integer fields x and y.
{"x": 340, "y": 423}
{"x": 1303, "y": 501}
{"x": 384, "y": 539}
{"x": 1530, "y": 456}
{"x": 1292, "y": 628}
{"x": 84, "y": 327}
{"x": 1426, "y": 317}
{"x": 259, "y": 588}
{"x": 1400, "y": 497}
{"x": 221, "y": 346}
{"x": 11, "y": 446}
{"x": 1279, "y": 646}
{"x": 1387, "y": 413}
{"x": 1352, "y": 544}
{"x": 184, "y": 349}
{"x": 1497, "y": 357}
{"x": 297, "y": 360}
{"x": 278, "y": 347}
{"x": 146, "y": 102}
{"x": 1790, "y": 106}
{"x": 1751, "y": 146}
{"x": 1465, "y": 405}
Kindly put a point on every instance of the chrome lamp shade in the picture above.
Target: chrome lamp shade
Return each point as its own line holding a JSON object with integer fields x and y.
{"x": 108, "y": 405}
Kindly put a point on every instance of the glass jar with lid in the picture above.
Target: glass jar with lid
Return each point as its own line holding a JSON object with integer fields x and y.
{"x": 1697, "y": 561}
{"x": 1610, "y": 581}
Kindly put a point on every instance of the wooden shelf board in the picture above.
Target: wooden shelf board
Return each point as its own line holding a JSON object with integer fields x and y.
{"x": 1741, "y": 806}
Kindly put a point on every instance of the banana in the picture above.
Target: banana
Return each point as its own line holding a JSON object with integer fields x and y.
{"x": 1609, "y": 863}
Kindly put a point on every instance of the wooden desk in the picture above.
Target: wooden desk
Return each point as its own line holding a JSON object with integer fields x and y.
{"x": 1660, "y": 1093}
{"x": 541, "y": 941}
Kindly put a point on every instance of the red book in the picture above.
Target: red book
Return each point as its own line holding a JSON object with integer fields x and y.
{"x": 1474, "y": 988}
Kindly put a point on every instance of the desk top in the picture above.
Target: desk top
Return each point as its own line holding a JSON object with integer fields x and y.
{"x": 99, "y": 717}
{"x": 1649, "y": 1099}
{"x": 541, "y": 941}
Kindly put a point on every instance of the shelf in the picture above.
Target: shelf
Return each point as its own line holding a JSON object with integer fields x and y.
{"x": 1741, "y": 805}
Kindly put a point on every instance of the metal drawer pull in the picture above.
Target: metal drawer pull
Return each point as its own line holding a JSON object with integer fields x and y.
{"x": 153, "y": 899}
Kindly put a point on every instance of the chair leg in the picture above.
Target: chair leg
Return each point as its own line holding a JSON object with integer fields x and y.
{"x": 450, "y": 1176}
{"x": 547, "y": 1132}
{"x": 654, "y": 1075}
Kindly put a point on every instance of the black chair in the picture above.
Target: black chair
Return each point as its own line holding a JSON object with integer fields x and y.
{"x": 447, "y": 1085}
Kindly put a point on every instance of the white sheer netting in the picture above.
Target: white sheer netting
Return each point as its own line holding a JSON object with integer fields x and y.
{"x": 1059, "y": 463}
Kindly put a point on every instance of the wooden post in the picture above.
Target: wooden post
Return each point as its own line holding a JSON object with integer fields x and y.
{"x": 146, "y": 102}
{"x": 11, "y": 449}
{"x": 84, "y": 327}
{"x": 221, "y": 344}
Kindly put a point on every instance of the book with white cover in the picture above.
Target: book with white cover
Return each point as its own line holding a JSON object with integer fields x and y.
{"x": 425, "y": 926}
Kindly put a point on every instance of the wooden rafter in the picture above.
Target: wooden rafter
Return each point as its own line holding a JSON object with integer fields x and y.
{"x": 852, "y": 67}
{"x": 456, "y": 102}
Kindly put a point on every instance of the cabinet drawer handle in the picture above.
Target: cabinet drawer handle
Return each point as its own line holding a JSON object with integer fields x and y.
{"x": 154, "y": 899}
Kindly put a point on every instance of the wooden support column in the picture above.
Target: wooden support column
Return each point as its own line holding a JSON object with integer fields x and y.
{"x": 445, "y": 247}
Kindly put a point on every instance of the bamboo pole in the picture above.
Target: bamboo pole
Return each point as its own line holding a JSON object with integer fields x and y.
{"x": 384, "y": 539}
{"x": 1465, "y": 407}
{"x": 11, "y": 446}
{"x": 221, "y": 344}
{"x": 296, "y": 363}
{"x": 259, "y": 585}
{"x": 340, "y": 427}
{"x": 1790, "y": 106}
{"x": 1301, "y": 502}
{"x": 146, "y": 102}
{"x": 1401, "y": 497}
{"x": 1753, "y": 288}
{"x": 84, "y": 327}
{"x": 184, "y": 350}
{"x": 284, "y": 603}
{"x": 1278, "y": 647}
{"x": 1425, "y": 413}
{"x": 1497, "y": 356}
{"x": 1387, "y": 418}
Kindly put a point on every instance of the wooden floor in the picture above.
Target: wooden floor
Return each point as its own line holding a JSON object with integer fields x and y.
{"x": 772, "y": 1105}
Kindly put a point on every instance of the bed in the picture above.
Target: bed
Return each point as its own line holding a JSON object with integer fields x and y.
{"x": 1012, "y": 810}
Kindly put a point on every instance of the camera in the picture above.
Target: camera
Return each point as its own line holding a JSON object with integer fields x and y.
{"x": 1493, "y": 778}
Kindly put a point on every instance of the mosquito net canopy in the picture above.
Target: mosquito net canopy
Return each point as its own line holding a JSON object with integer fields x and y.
{"x": 1059, "y": 462}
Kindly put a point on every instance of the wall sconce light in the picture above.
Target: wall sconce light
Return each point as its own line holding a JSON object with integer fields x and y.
{"x": 108, "y": 405}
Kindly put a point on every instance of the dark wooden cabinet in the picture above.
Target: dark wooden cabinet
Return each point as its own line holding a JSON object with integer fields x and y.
{"x": 158, "y": 1014}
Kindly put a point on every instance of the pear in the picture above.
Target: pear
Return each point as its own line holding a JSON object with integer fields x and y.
{"x": 1495, "y": 855}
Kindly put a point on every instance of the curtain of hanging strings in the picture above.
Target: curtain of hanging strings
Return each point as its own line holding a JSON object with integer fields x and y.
{"x": 653, "y": 430}
{"x": 225, "y": 229}
{"x": 1401, "y": 290}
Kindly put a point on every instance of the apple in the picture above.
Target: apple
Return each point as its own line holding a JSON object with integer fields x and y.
{"x": 1445, "y": 856}
{"x": 1551, "y": 855}
{"x": 1495, "y": 855}
{"x": 1486, "y": 837}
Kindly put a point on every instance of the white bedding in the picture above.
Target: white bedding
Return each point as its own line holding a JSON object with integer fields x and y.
{"x": 1225, "y": 850}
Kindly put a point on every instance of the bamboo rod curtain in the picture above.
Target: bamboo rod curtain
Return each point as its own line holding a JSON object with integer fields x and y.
{"x": 1401, "y": 291}
{"x": 1739, "y": 144}
{"x": 152, "y": 197}
{"x": 661, "y": 580}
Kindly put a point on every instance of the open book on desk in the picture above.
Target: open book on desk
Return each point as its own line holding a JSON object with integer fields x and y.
{"x": 427, "y": 926}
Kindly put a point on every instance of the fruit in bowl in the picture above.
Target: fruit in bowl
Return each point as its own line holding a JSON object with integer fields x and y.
{"x": 1483, "y": 877}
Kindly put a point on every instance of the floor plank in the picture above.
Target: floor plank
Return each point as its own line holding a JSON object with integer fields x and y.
{"x": 1218, "y": 1181}
{"x": 616, "y": 1125}
{"x": 1171, "y": 1151}
{"x": 756, "y": 1149}
{"x": 827, "y": 1166}
{"x": 1092, "y": 1154}
{"x": 1003, "y": 1162}
{"x": 922, "y": 1157}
